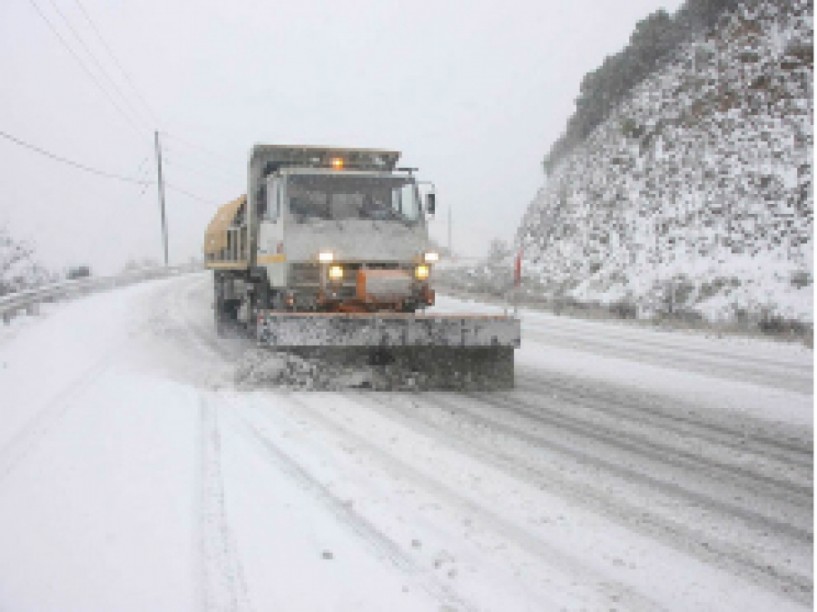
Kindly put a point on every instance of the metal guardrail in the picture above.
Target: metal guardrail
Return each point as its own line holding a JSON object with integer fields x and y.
{"x": 28, "y": 300}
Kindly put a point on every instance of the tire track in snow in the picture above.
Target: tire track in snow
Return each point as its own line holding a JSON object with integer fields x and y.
{"x": 723, "y": 553}
{"x": 376, "y": 540}
{"x": 785, "y": 379}
{"x": 654, "y": 484}
{"x": 669, "y": 455}
{"x": 379, "y": 542}
{"x": 734, "y": 452}
{"x": 525, "y": 540}
{"x": 687, "y": 348}
{"x": 196, "y": 333}
{"x": 223, "y": 584}
{"x": 221, "y": 575}
{"x": 36, "y": 429}
{"x": 718, "y": 429}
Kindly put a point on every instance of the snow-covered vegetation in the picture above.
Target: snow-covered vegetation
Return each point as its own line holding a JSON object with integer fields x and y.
{"x": 18, "y": 266}
{"x": 694, "y": 196}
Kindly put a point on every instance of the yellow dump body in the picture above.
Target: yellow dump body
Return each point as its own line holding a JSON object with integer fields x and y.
{"x": 225, "y": 240}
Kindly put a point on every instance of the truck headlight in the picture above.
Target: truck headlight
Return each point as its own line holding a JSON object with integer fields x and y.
{"x": 326, "y": 256}
{"x": 336, "y": 273}
{"x": 431, "y": 257}
{"x": 421, "y": 272}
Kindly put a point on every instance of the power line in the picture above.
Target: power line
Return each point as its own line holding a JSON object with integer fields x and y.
{"x": 212, "y": 173}
{"x": 116, "y": 61}
{"x": 213, "y": 160}
{"x": 65, "y": 160}
{"x": 174, "y": 187}
{"x": 96, "y": 62}
{"x": 189, "y": 143}
{"x": 213, "y": 169}
{"x": 141, "y": 171}
{"x": 188, "y": 194}
{"x": 199, "y": 159}
{"x": 97, "y": 171}
{"x": 84, "y": 67}
{"x": 141, "y": 165}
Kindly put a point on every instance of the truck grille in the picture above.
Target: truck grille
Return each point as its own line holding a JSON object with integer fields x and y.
{"x": 385, "y": 284}
{"x": 304, "y": 275}
{"x": 309, "y": 275}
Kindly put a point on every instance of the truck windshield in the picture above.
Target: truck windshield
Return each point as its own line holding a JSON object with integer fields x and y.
{"x": 338, "y": 196}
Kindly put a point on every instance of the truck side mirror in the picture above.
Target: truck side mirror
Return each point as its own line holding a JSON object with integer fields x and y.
{"x": 431, "y": 203}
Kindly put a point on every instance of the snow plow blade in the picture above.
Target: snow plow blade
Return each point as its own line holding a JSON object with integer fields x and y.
{"x": 289, "y": 329}
{"x": 446, "y": 351}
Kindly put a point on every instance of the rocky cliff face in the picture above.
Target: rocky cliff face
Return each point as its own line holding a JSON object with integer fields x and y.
{"x": 695, "y": 194}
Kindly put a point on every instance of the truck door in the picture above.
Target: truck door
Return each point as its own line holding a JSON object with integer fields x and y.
{"x": 271, "y": 253}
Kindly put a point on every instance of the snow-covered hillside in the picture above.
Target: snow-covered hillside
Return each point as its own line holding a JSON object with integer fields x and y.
{"x": 696, "y": 193}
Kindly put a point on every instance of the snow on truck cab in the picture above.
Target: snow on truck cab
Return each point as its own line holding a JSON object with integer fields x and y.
{"x": 330, "y": 248}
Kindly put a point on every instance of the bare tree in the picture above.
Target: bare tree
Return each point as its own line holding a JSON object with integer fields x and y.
{"x": 498, "y": 250}
{"x": 18, "y": 267}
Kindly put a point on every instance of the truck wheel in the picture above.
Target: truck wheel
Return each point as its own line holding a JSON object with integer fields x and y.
{"x": 276, "y": 300}
{"x": 219, "y": 312}
{"x": 251, "y": 325}
{"x": 225, "y": 312}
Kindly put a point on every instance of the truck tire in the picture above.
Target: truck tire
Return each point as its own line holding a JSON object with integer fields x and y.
{"x": 225, "y": 312}
{"x": 219, "y": 307}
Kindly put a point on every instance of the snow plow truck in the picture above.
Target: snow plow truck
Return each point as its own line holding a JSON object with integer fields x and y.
{"x": 329, "y": 251}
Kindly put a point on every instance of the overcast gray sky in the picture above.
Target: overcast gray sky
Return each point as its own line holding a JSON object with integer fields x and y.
{"x": 473, "y": 93}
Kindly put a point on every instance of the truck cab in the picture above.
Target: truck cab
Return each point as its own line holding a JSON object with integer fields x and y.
{"x": 347, "y": 240}
{"x": 322, "y": 229}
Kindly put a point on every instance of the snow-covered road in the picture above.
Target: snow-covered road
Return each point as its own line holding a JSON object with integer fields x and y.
{"x": 631, "y": 469}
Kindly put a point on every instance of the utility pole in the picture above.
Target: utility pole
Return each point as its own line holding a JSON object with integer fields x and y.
{"x": 450, "y": 252}
{"x": 161, "y": 185}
